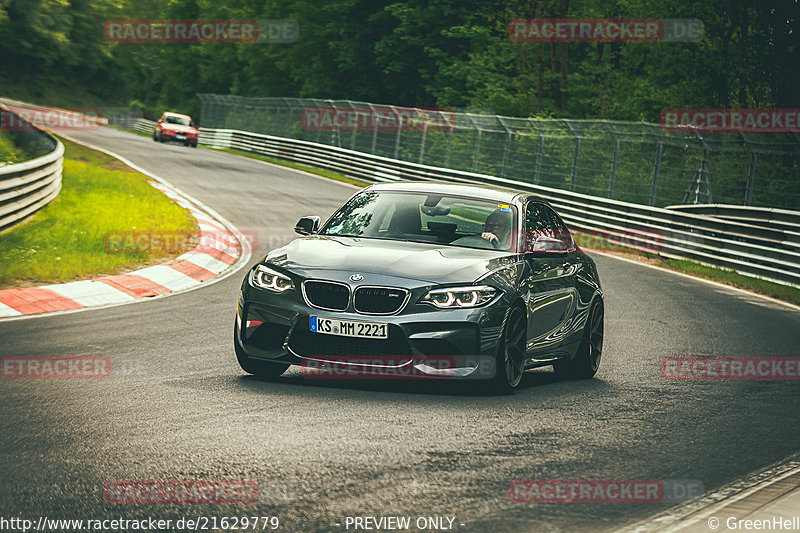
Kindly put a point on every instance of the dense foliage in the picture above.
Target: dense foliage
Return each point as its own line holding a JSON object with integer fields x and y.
{"x": 445, "y": 53}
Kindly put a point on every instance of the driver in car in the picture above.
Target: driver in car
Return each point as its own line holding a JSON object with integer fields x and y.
{"x": 497, "y": 228}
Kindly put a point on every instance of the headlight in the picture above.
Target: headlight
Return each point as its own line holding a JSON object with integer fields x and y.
{"x": 266, "y": 278}
{"x": 459, "y": 297}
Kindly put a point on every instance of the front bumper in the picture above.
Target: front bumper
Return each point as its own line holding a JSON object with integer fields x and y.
{"x": 178, "y": 137}
{"x": 422, "y": 340}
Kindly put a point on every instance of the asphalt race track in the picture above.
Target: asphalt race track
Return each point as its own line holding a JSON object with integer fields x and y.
{"x": 178, "y": 407}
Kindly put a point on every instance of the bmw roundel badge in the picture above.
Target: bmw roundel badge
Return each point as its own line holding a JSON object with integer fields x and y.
{"x": 356, "y": 277}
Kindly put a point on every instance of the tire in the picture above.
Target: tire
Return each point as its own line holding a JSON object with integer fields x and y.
{"x": 260, "y": 369}
{"x": 587, "y": 360}
{"x": 155, "y": 137}
{"x": 510, "y": 359}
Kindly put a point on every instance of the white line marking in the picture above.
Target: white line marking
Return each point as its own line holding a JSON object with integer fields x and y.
{"x": 213, "y": 241}
{"x": 88, "y": 293}
{"x": 702, "y": 280}
{"x": 204, "y": 261}
{"x": 167, "y": 277}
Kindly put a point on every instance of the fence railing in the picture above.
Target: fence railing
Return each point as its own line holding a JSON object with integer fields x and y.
{"x": 634, "y": 162}
{"x": 29, "y": 186}
{"x": 744, "y": 244}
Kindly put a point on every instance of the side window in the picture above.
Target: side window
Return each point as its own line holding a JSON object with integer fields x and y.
{"x": 561, "y": 231}
{"x": 537, "y": 223}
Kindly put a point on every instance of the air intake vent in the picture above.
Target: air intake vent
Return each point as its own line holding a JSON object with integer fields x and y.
{"x": 379, "y": 300}
{"x": 327, "y": 295}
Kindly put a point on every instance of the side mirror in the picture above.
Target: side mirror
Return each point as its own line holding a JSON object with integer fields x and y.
{"x": 307, "y": 225}
{"x": 548, "y": 245}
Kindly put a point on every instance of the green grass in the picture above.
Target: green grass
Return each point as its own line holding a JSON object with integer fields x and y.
{"x": 693, "y": 268}
{"x": 730, "y": 277}
{"x": 10, "y": 153}
{"x": 101, "y": 199}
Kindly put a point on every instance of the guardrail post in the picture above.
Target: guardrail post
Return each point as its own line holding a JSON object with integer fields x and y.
{"x": 477, "y": 151}
{"x": 509, "y": 133}
{"x": 751, "y": 178}
{"x": 614, "y": 161}
{"x": 574, "y": 172}
{"x": 422, "y": 143}
{"x": 203, "y": 109}
{"x": 291, "y": 117}
{"x": 656, "y": 165}
{"x": 540, "y": 154}
{"x": 449, "y": 146}
{"x": 374, "y": 129}
{"x": 355, "y": 130}
{"x": 477, "y": 142}
{"x": 399, "y": 132}
{"x": 751, "y": 175}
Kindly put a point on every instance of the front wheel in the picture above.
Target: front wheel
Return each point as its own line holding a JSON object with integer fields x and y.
{"x": 260, "y": 369}
{"x": 586, "y": 362}
{"x": 510, "y": 360}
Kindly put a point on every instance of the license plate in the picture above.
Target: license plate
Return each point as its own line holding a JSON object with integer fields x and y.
{"x": 349, "y": 328}
{"x": 180, "y": 136}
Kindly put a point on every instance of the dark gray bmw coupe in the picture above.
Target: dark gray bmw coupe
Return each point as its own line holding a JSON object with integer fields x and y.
{"x": 425, "y": 280}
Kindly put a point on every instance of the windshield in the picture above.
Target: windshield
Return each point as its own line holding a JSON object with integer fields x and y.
{"x": 183, "y": 121}
{"x": 430, "y": 218}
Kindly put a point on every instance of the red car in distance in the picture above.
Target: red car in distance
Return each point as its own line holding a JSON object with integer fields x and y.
{"x": 176, "y": 127}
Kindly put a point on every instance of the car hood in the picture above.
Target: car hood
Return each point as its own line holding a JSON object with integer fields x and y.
{"x": 316, "y": 256}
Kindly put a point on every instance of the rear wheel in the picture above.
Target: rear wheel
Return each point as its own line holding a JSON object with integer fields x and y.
{"x": 510, "y": 360}
{"x": 586, "y": 362}
{"x": 261, "y": 369}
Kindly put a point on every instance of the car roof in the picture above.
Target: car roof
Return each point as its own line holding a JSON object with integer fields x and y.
{"x": 496, "y": 194}
{"x": 169, "y": 114}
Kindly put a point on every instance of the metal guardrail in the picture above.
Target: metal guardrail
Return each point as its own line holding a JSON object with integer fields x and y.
{"x": 748, "y": 246}
{"x": 758, "y": 216}
{"x": 634, "y": 162}
{"x": 29, "y": 186}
